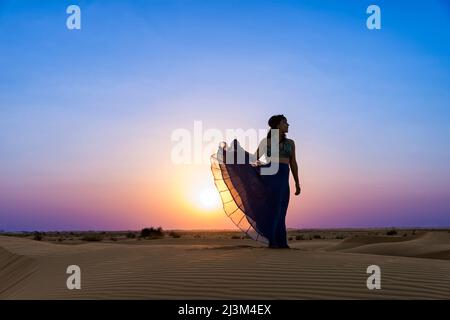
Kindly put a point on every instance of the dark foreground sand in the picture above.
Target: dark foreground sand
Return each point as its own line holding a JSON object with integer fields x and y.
{"x": 214, "y": 267}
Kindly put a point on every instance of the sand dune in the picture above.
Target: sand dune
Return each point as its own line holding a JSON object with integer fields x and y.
{"x": 229, "y": 269}
{"x": 435, "y": 245}
{"x": 15, "y": 270}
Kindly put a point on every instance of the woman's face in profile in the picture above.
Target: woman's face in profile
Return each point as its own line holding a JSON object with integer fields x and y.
{"x": 283, "y": 126}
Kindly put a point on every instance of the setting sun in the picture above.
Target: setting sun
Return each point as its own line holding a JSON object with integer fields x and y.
{"x": 208, "y": 198}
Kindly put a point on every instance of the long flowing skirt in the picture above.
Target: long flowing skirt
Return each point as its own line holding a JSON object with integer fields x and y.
{"x": 256, "y": 203}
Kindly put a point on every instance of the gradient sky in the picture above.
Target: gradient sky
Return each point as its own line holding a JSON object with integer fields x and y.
{"x": 86, "y": 116}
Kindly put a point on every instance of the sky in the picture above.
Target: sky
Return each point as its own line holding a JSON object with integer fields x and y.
{"x": 87, "y": 116}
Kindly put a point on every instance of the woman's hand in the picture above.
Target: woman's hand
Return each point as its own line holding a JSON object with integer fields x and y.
{"x": 297, "y": 189}
{"x": 294, "y": 168}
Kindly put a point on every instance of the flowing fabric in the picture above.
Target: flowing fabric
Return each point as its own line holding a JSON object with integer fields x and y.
{"x": 256, "y": 203}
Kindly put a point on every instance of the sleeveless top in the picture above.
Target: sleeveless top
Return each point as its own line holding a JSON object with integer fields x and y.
{"x": 285, "y": 150}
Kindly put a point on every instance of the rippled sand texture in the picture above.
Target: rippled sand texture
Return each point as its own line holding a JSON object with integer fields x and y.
{"x": 229, "y": 269}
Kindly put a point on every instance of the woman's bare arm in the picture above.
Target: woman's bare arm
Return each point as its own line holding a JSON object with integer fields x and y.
{"x": 294, "y": 168}
{"x": 259, "y": 152}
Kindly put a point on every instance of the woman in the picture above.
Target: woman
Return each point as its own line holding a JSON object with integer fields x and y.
{"x": 254, "y": 200}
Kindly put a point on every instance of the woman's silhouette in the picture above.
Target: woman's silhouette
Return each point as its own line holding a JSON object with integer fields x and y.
{"x": 256, "y": 201}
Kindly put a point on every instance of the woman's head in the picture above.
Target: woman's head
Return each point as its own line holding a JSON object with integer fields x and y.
{"x": 279, "y": 122}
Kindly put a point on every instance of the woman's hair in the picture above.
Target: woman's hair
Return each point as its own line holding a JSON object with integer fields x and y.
{"x": 273, "y": 122}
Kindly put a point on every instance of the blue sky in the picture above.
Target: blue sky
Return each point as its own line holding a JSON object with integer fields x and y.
{"x": 373, "y": 104}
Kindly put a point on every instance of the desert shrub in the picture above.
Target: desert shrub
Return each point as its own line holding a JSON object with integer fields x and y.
{"x": 299, "y": 237}
{"x": 173, "y": 234}
{"x": 37, "y": 236}
{"x": 131, "y": 235}
{"x": 317, "y": 236}
{"x": 152, "y": 233}
{"x": 340, "y": 237}
{"x": 235, "y": 237}
{"x": 392, "y": 232}
{"x": 92, "y": 237}
{"x": 113, "y": 238}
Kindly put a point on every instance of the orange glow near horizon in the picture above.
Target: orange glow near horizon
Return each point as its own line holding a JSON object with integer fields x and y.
{"x": 201, "y": 193}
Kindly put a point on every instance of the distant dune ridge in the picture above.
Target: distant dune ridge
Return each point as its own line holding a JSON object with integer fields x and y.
{"x": 215, "y": 267}
{"x": 434, "y": 245}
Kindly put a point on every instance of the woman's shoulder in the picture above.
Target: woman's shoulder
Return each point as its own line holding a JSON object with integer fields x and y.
{"x": 290, "y": 141}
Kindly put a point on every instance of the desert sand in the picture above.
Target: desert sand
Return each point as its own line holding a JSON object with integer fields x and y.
{"x": 413, "y": 266}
